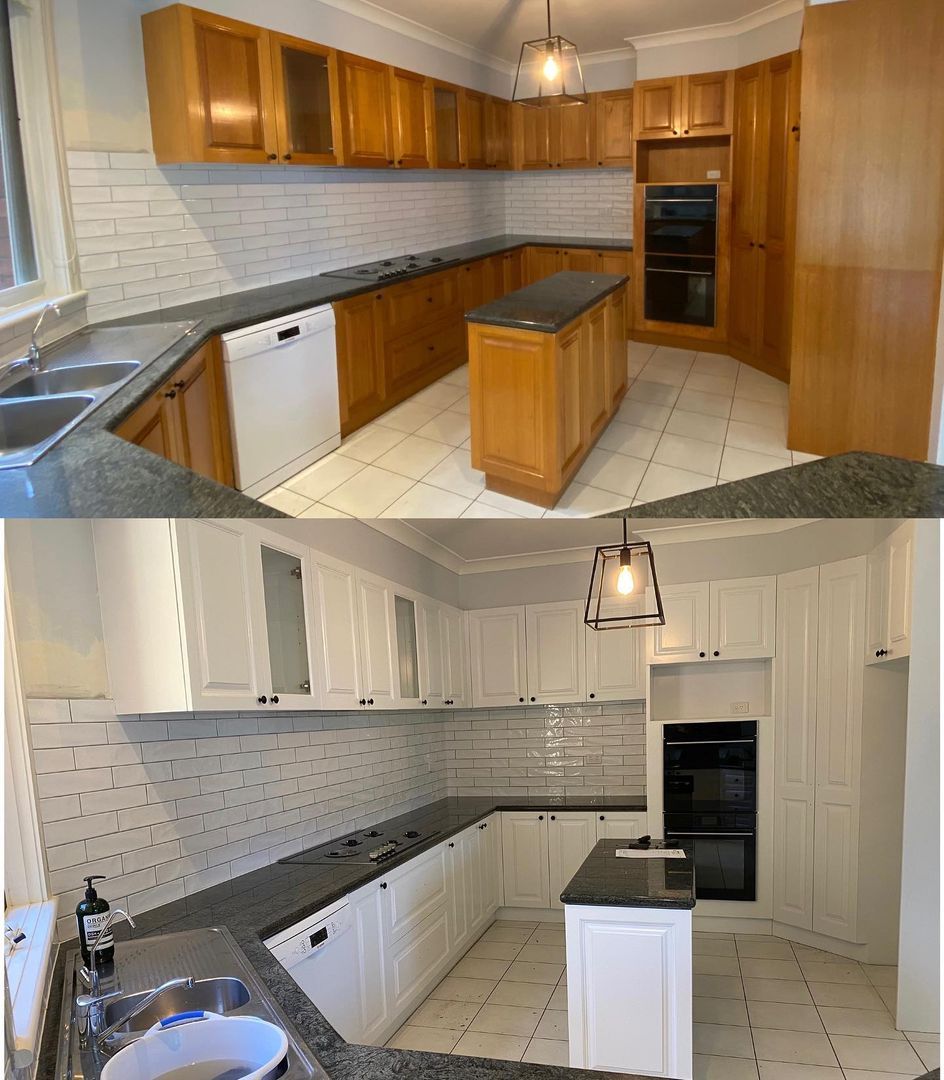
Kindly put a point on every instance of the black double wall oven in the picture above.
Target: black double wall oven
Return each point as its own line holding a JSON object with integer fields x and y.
{"x": 710, "y": 803}
{"x": 681, "y": 249}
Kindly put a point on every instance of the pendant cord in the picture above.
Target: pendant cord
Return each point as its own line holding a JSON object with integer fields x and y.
{"x": 548, "y": 18}
{"x": 625, "y": 535}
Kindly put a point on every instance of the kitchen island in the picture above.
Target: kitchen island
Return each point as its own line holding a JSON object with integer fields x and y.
{"x": 547, "y": 371}
{"x": 629, "y": 961}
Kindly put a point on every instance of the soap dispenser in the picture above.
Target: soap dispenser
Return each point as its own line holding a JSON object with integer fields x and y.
{"x": 91, "y": 914}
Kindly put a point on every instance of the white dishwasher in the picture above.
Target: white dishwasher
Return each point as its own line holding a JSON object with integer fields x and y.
{"x": 319, "y": 954}
{"x": 282, "y": 386}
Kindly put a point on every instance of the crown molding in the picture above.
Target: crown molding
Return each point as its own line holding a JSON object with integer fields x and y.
{"x": 373, "y": 13}
{"x": 606, "y": 56}
{"x": 415, "y": 539}
{"x": 703, "y": 530}
{"x": 780, "y": 9}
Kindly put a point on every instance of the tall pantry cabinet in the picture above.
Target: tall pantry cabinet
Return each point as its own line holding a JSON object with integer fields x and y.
{"x": 763, "y": 216}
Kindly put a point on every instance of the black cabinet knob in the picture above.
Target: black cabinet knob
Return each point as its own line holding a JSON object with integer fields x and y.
{"x": 383, "y": 884}
{"x": 763, "y": 247}
{"x": 452, "y": 845}
{"x": 602, "y": 817}
{"x": 363, "y": 701}
{"x": 534, "y": 699}
{"x": 179, "y": 385}
{"x": 399, "y": 161}
{"x": 484, "y": 825}
{"x": 592, "y": 696}
{"x": 262, "y": 700}
{"x": 171, "y": 394}
{"x": 272, "y": 157}
{"x": 553, "y": 818}
{"x": 716, "y": 653}
{"x": 540, "y": 817}
{"x": 600, "y": 164}
{"x": 685, "y": 132}
{"x": 674, "y": 131}
{"x": 275, "y": 699}
{"x": 370, "y": 701}
{"x": 795, "y": 129}
{"x": 521, "y": 699}
{"x": 425, "y": 702}
{"x": 288, "y": 157}
{"x": 701, "y": 654}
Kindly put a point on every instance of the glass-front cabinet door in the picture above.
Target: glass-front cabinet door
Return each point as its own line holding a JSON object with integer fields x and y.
{"x": 446, "y": 125}
{"x": 305, "y": 79}
{"x": 407, "y": 653}
{"x": 283, "y": 610}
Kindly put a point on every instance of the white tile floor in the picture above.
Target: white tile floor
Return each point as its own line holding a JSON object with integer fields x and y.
{"x": 689, "y": 420}
{"x": 764, "y": 1009}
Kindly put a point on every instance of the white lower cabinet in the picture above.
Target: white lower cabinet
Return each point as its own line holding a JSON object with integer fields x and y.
{"x": 467, "y": 896}
{"x": 621, "y": 824}
{"x": 417, "y": 960}
{"x": 371, "y": 958}
{"x": 414, "y": 890}
{"x": 570, "y": 839}
{"x": 525, "y": 859}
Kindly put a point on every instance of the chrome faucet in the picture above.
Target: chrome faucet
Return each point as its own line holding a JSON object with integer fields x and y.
{"x": 90, "y": 974}
{"x": 89, "y": 1013}
{"x": 34, "y": 353}
{"x": 89, "y": 1009}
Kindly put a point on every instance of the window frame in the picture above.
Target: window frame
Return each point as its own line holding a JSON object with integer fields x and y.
{"x": 34, "y": 72}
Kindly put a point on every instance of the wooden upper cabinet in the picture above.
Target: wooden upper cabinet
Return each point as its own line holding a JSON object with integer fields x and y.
{"x": 657, "y": 107}
{"x": 210, "y": 89}
{"x": 446, "y": 126}
{"x": 367, "y": 137}
{"x": 684, "y": 106}
{"x": 307, "y": 114}
{"x": 614, "y": 128}
{"x": 532, "y": 134}
{"x": 472, "y": 129}
{"x": 573, "y": 145}
{"x": 412, "y": 113}
{"x": 498, "y": 149}
{"x": 707, "y": 103}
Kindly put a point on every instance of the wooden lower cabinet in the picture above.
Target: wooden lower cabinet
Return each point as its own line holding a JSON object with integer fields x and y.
{"x": 187, "y": 420}
{"x": 541, "y": 262}
{"x": 361, "y": 386}
{"x": 539, "y": 400}
{"x": 512, "y": 270}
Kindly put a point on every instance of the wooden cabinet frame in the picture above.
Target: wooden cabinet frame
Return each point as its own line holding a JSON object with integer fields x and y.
{"x": 276, "y": 42}
{"x": 410, "y": 93}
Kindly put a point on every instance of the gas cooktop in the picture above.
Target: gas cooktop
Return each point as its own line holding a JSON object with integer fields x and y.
{"x": 384, "y": 270}
{"x": 366, "y": 847}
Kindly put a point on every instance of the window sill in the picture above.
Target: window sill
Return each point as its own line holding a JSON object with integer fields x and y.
{"x": 27, "y": 313}
{"x": 28, "y": 971}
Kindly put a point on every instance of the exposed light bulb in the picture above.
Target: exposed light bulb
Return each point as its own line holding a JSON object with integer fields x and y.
{"x": 551, "y": 70}
{"x": 624, "y": 582}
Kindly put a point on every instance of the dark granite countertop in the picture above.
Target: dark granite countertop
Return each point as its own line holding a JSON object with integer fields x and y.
{"x": 93, "y": 473}
{"x": 255, "y": 906}
{"x": 609, "y": 881}
{"x": 548, "y": 305}
{"x": 847, "y": 485}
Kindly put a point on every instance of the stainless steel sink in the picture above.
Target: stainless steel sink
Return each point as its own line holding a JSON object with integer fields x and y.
{"x": 224, "y": 982}
{"x": 78, "y": 374}
{"x": 212, "y": 995}
{"x": 28, "y": 423}
{"x": 69, "y": 380}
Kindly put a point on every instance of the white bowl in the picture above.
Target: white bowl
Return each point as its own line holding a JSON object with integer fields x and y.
{"x": 201, "y": 1047}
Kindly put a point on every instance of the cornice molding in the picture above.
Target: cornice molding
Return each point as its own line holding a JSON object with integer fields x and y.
{"x": 780, "y": 9}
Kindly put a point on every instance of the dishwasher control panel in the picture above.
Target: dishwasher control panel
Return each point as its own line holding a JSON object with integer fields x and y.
{"x": 315, "y": 935}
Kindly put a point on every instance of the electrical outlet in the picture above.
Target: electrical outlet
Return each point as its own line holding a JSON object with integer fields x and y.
{"x": 713, "y": 174}
{"x": 740, "y": 706}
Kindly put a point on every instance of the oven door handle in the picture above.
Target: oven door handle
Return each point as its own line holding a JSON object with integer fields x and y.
{"x": 688, "y": 273}
{"x": 651, "y": 201}
{"x": 700, "y": 742}
{"x": 695, "y": 835}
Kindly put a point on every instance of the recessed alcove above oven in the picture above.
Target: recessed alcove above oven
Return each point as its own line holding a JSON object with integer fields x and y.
{"x": 732, "y": 689}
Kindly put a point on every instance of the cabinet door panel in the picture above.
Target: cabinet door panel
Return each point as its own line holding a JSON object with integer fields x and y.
{"x": 596, "y": 375}
{"x": 202, "y": 416}
{"x": 461, "y": 869}
{"x": 544, "y": 261}
{"x": 456, "y": 689}
{"x": 361, "y": 381}
{"x": 498, "y": 133}
{"x": 615, "y": 660}
{"x": 743, "y": 618}
{"x": 513, "y": 271}
{"x": 571, "y": 838}
{"x": 472, "y": 117}
{"x": 339, "y": 640}
{"x": 433, "y": 661}
{"x": 305, "y": 78}
{"x": 657, "y": 105}
{"x": 556, "y": 663}
{"x": 532, "y": 137}
{"x": 499, "y": 672}
{"x": 412, "y": 120}
{"x": 707, "y": 103}
{"x": 378, "y": 635}
{"x": 216, "y": 591}
{"x": 153, "y": 426}
{"x": 617, "y": 332}
{"x": 900, "y": 571}
{"x": 371, "y": 958}
{"x": 583, "y": 259}
{"x": 417, "y": 960}
{"x": 446, "y": 125}
{"x": 746, "y": 207}
{"x": 413, "y": 891}
{"x": 795, "y": 746}
{"x": 621, "y": 824}
{"x": 573, "y": 134}
{"x": 684, "y": 636}
{"x": 524, "y": 859}
{"x": 876, "y": 592}
{"x": 614, "y": 129}
{"x": 365, "y": 112}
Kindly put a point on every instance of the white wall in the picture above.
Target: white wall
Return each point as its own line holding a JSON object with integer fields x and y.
{"x": 919, "y": 975}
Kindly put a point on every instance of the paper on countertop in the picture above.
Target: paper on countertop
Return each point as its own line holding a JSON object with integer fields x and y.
{"x": 650, "y": 853}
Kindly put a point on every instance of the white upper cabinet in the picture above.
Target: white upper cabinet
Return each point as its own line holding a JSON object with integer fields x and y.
{"x": 718, "y": 620}
{"x": 795, "y": 746}
{"x": 743, "y": 614}
{"x": 499, "y": 657}
{"x": 280, "y": 578}
{"x": 378, "y": 636}
{"x": 336, "y": 612}
{"x": 570, "y": 839}
{"x": 889, "y": 584}
{"x": 432, "y": 658}
{"x": 457, "y": 689}
{"x": 556, "y": 653}
{"x": 406, "y": 649}
{"x": 616, "y": 668}
{"x": 684, "y": 637}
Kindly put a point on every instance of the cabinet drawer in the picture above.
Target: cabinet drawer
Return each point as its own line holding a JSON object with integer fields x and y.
{"x": 410, "y": 358}
{"x": 413, "y": 892}
{"x": 416, "y": 962}
{"x": 414, "y": 304}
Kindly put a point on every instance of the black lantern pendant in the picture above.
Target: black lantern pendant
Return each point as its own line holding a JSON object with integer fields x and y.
{"x": 616, "y": 578}
{"x": 549, "y": 71}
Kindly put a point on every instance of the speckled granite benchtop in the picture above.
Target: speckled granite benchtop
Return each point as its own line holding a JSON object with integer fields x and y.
{"x": 550, "y": 304}
{"x": 257, "y": 905}
{"x": 609, "y": 881}
{"x": 93, "y": 473}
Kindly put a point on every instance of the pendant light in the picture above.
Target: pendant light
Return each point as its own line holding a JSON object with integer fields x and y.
{"x": 620, "y": 572}
{"x": 549, "y": 71}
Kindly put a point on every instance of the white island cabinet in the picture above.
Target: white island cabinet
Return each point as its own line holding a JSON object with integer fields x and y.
{"x": 629, "y": 964}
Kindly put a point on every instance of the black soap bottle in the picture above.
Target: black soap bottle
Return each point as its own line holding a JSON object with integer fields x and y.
{"x": 91, "y": 914}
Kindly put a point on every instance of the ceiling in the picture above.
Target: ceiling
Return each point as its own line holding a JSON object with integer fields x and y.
{"x": 498, "y": 27}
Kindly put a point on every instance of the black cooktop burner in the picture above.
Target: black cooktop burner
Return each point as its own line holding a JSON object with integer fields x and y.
{"x": 363, "y": 847}
{"x": 372, "y": 833}
{"x": 411, "y": 835}
{"x": 389, "y": 269}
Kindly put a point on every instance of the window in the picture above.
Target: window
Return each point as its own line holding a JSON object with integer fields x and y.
{"x": 36, "y": 252}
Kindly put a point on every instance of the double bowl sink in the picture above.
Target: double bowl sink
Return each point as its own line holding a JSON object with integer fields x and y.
{"x": 37, "y": 408}
{"x": 223, "y": 982}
